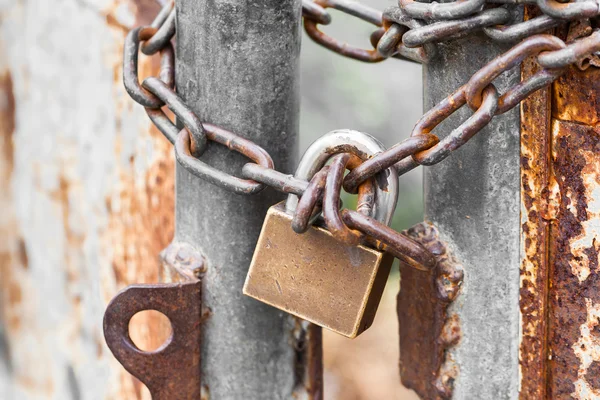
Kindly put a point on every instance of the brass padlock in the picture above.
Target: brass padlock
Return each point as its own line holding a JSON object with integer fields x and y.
{"x": 312, "y": 275}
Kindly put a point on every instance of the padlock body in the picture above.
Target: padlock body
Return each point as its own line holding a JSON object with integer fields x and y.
{"x": 315, "y": 277}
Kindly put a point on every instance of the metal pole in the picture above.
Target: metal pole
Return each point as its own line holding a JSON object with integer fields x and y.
{"x": 472, "y": 198}
{"x": 238, "y": 67}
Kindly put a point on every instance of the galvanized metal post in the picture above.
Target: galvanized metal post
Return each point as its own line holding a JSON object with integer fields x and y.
{"x": 472, "y": 198}
{"x": 238, "y": 67}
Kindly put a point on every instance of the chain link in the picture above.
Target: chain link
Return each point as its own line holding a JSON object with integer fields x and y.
{"x": 409, "y": 32}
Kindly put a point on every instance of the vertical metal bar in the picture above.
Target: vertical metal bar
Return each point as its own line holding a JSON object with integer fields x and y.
{"x": 535, "y": 224}
{"x": 238, "y": 67}
{"x": 473, "y": 200}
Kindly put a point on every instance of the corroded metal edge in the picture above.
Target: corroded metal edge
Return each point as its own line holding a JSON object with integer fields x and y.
{"x": 535, "y": 192}
{"x": 427, "y": 328}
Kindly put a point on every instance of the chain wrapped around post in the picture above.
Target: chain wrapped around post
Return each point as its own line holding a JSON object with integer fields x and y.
{"x": 409, "y": 32}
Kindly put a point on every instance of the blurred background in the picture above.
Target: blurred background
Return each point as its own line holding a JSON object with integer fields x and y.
{"x": 77, "y": 225}
{"x": 385, "y": 100}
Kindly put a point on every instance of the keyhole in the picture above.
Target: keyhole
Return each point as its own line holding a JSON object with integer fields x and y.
{"x": 150, "y": 330}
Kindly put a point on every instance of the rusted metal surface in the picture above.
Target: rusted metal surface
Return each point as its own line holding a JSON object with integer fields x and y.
{"x": 428, "y": 328}
{"x": 576, "y": 97}
{"x": 535, "y": 220}
{"x": 172, "y": 371}
{"x": 568, "y": 11}
{"x": 574, "y": 298}
{"x": 13, "y": 255}
{"x": 309, "y": 359}
{"x": 532, "y": 46}
{"x": 90, "y": 205}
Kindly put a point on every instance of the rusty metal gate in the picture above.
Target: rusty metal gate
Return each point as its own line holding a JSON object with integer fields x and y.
{"x": 503, "y": 303}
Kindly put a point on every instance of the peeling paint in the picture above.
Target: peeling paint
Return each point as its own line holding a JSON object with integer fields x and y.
{"x": 560, "y": 216}
{"x": 574, "y": 296}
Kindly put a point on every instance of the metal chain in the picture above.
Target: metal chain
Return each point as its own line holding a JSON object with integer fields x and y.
{"x": 409, "y": 32}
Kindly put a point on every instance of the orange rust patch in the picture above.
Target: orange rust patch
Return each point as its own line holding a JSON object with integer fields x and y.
{"x": 141, "y": 204}
{"x": 142, "y": 216}
{"x": 576, "y": 96}
{"x": 141, "y": 224}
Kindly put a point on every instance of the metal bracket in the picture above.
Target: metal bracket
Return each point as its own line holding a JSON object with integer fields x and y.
{"x": 427, "y": 328}
{"x": 172, "y": 371}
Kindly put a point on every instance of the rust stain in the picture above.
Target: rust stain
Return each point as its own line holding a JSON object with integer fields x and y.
{"x": 427, "y": 330}
{"x": 12, "y": 253}
{"x": 535, "y": 193}
{"x": 142, "y": 216}
{"x": 73, "y": 251}
{"x": 7, "y": 120}
{"x": 593, "y": 376}
{"x": 141, "y": 224}
{"x": 574, "y": 305}
{"x": 141, "y": 205}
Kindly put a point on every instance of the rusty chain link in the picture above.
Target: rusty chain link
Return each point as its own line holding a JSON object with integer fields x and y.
{"x": 411, "y": 32}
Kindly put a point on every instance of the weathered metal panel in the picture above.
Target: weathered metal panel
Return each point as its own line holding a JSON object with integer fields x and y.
{"x": 87, "y": 200}
{"x": 574, "y": 298}
{"x": 472, "y": 198}
{"x": 237, "y": 67}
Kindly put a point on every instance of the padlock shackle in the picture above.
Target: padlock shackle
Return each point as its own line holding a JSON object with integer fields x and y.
{"x": 364, "y": 146}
